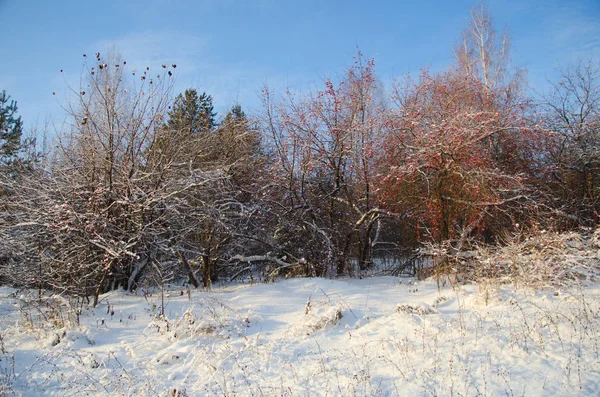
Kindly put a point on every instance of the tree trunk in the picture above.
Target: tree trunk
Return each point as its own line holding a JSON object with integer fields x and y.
{"x": 192, "y": 275}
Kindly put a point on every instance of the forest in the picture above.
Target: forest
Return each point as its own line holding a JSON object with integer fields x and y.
{"x": 145, "y": 186}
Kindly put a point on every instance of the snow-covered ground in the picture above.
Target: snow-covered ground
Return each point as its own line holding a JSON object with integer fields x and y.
{"x": 306, "y": 337}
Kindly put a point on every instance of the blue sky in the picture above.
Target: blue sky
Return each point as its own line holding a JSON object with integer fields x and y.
{"x": 230, "y": 49}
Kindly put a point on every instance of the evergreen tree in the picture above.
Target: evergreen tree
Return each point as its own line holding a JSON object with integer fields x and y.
{"x": 207, "y": 114}
{"x": 192, "y": 113}
{"x": 235, "y": 116}
{"x": 237, "y": 138}
{"x": 239, "y": 149}
{"x": 11, "y": 132}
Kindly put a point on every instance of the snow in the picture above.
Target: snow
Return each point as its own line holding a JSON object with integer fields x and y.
{"x": 302, "y": 337}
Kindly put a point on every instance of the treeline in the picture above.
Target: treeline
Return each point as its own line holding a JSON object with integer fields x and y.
{"x": 144, "y": 189}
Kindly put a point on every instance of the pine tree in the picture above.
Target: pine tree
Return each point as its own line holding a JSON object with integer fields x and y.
{"x": 235, "y": 116}
{"x": 11, "y": 132}
{"x": 239, "y": 148}
{"x": 207, "y": 114}
{"x": 237, "y": 138}
{"x": 192, "y": 113}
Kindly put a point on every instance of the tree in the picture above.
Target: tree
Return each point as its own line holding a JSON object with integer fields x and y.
{"x": 12, "y": 144}
{"x": 225, "y": 153}
{"x": 239, "y": 146}
{"x": 192, "y": 113}
{"x": 572, "y": 164}
{"x": 322, "y": 178}
{"x": 459, "y": 154}
{"x": 16, "y": 156}
{"x": 482, "y": 53}
{"x": 114, "y": 206}
{"x": 466, "y": 136}
{"x": 187, "y": 134}
{"x": 438, "y": 165}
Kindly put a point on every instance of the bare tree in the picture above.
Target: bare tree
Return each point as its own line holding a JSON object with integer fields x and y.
{"x": 322, "y": 189}
{"x": 438, "y": 166}
{"x": 482, "y": 53}
{"x": 121, "y": 199}
{"x": 572, "y": 115}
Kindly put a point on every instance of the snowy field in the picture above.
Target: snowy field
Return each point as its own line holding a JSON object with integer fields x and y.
{"x": 379, "y": 336}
